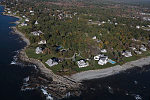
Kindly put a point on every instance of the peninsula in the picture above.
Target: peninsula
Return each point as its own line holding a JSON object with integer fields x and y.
{"x": 72, "y": 41}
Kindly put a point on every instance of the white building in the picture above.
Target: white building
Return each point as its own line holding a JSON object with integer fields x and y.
{"x": 9, "y": 12}
{"x": 42, "y": 42}
{"x": 23, "y": 24}
{"x": 51, "y": 62}
{"x": 82, "y": 64}
{"x": 94, "y": 38}
{"x": 138, "y": 52}
{"x": 127, "y": 54}
{"x": 36, "y": 23}
{"x": 143, "y": 48}
{"x": 37, "y": 33}
{"x": 98, "y": 57}
{"x": 27, "y": 20}
{"x": 31, "y": 11}
{"x": 104, "y": 51}
{"x": 38, "y": 50}
{"x": 137, "y": 27}
{"x": 103, "y": 60}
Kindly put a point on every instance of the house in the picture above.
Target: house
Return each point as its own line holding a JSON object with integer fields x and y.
{"x": 31, "y": 11}
{"x": 82, "y": 63}
{"x": 116, "y": 23}
{"x": 98, "y": 57}
{"x": 23, "y": 24}
{"x": 137, "y": 27}
{"x": 9, "y": 12}
{"x": 104, "y": 51}
{"x": 52, "y": 62}
{"x": 94, "y": 38}
{"x": 126, "y": 54}
{"x": 36, "y": 23}
{"x": 38, "y": 50}
{"x": 143, "y": 48}
{"x": 42, "y": 42}
{"x": 138, "y": 52}
{"x": 27, "y": 20}
{"x": 133, "y": 48}
{"x": 37, "y": 33}
{"x": 103, "y": 60}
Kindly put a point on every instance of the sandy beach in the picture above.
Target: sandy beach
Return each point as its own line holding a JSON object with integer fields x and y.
{"x": 92, "y": 74}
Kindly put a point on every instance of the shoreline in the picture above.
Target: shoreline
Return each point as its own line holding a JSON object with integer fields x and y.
{"x": 101, "y": 73}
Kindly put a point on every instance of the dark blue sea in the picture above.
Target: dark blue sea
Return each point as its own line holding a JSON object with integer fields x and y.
{"x": 133, "y": 84}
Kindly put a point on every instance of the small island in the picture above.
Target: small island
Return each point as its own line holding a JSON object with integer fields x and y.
{"x": 68, "y": 40}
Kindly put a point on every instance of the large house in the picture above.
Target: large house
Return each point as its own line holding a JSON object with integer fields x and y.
{"x": 42, "y": 42}
{"x": 82, "y": 63}
{"x": 126, "y": 54}
{"x": 37, "y": 33}
{"x": 143, "y": 48}
{"x": 104, "y": 51}
{"x": 38, "y": 50}
{"x": 52, "y": 62}
{"x": 103, "y": 60}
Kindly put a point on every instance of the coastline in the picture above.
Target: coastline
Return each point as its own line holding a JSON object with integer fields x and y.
{"x": 62, "y": 84}
{"x": 101, "y": 73}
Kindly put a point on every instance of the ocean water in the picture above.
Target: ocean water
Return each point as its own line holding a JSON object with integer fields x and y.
{"x": 133, "y": 84}
{"x": 11, "y": 76}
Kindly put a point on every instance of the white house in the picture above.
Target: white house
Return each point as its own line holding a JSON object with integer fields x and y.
{"x": 51, "y": 62}
{"x": 138, "y": 52}
{"x": 143, "y": 48}
{"x": 36, "y": 23}
{"x": 98, "y": 56}
{"x": 42, "y": 42}
{"x": 37, "y": 33}
{"x": 31, "y": 11}
{"x": 9, "y": 12}
{"x": 23, "y": 24}
{"x": 82, "y": 64}
{"x": 27, "y": 20}
{"x": 127, "y": 54}
{"x": 94, "y": 38}
{"x": 103, "y": 60}
{"x": 137, "y": 27}
{"x": 133, "y": 48}
{"x": 104, "y": 51}
{"x": 38, "y": 50}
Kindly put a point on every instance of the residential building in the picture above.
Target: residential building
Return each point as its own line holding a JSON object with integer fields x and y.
{"x": 126, "y": 54}
{"x": 51, "y": 62}
{"x": 104, "y": 51}
{"x": 38, "y": 50}
{"x": 82, "y": 63}
{"x": 143, "y": 48}
{"x": 103, "y": 60}
{"x": 42, "y": 42}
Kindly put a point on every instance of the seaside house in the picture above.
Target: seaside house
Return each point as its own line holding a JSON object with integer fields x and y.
{"x": 82, "y": 63}
{"x": 42, "y": 42}
{"x": 103, "y": 60}
{"x": 133, "y": 48}
{"x": 37, "y": 33}
{"x": 126, "y": 54}
{"x": 98, "y": 56}
{"x": 52, "y": 62}
{"x": 143, "y": 48}
{"x": 23, "y": 24}
{"x": 31, "y": 11}
{"x": 9, "y": 12}
{"x": 138, "y": 52}
{"x": 38, "y": 50}
{"x": 104, "y": 51}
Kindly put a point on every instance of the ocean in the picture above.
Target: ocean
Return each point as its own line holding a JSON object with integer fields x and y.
{"x": 133, "y": 84}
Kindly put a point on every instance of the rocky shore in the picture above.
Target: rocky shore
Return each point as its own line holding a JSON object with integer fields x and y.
{"x": 56, "y": 85}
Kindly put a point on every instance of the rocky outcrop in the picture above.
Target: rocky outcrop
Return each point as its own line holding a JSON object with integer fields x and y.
{"x": 56, "y": 85}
